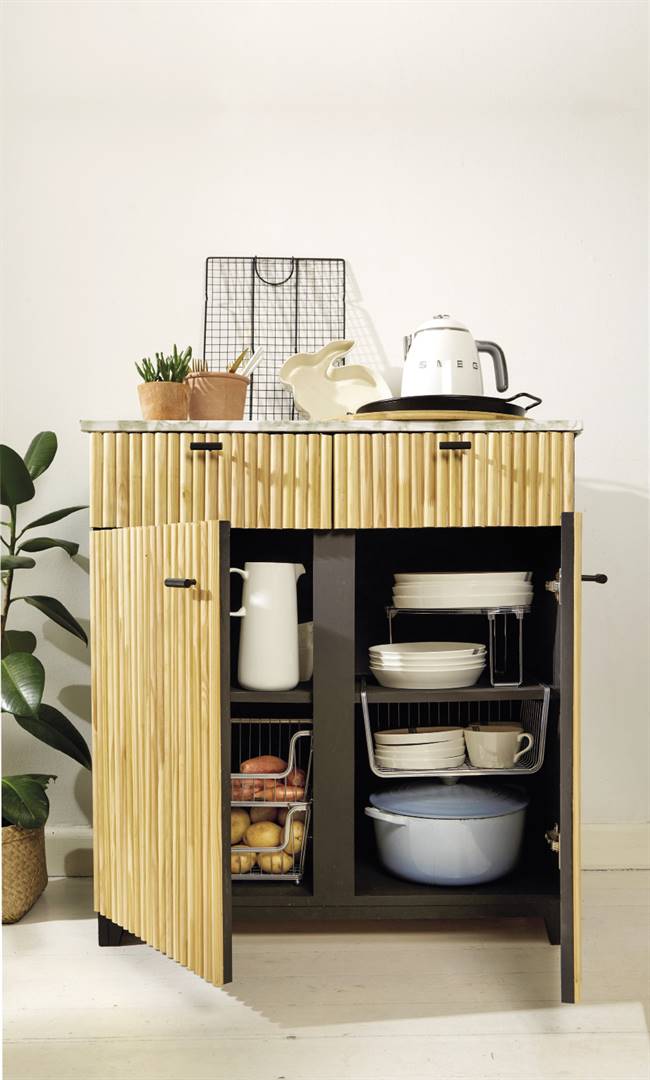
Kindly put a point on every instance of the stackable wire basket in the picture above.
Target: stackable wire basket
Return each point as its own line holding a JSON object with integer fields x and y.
{"x": 292, "y": 741}
{"x": 285, "y": 305}
{"x": 530, "y": 713}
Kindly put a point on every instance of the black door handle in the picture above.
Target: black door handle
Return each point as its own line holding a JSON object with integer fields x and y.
{"x": 180, "y": 582}
{"x": 455, "y": 446}
{"x": 206, "y": 446}
{"x": 600, "y": 579}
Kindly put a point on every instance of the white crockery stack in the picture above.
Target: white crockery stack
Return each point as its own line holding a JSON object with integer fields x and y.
{"x": 428, "y": 665}
{"x": 465, "y": 590}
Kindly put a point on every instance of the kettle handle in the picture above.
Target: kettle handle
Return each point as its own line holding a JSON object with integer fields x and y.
{"x": 500, "y": 369}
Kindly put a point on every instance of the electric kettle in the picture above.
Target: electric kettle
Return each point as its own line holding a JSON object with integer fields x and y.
{"x": 442, "y": 357}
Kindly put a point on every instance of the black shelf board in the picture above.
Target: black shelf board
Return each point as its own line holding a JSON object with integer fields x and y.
{"x": 270, "y": 894}
{"x": 301, "y": 693}
{"x": 374, "y": 885}
{"x": 480, "y": 692}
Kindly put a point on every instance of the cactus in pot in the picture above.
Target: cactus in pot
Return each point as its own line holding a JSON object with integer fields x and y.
{"x": 163, "y": 391}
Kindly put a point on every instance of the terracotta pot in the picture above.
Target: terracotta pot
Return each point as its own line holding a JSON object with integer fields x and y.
{"x": 24, "y": 872}
{"x": 163, "y": 400}
{"x": 217, "y": 395}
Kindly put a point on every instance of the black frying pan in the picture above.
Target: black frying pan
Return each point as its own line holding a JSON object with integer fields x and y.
{"x": 452, "y": 402}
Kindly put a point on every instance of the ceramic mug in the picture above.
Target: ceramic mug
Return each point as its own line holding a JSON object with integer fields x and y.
{"x": 497, "y": 746}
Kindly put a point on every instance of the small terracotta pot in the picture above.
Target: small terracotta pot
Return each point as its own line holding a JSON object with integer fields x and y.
{"x": 163, "y": 400}
{"x": 217, "y": 395}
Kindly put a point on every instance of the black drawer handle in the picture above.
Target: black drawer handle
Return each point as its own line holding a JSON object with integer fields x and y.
{"x": 600, "y": 579}
{"x": 206, "y": 446}
{"x": 180, "y": 582}
{"x": 455, "y": 445}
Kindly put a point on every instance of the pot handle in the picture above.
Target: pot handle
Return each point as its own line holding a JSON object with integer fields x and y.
{"x": 379, "y": 815}
{"x": 499, "y": 360}
{"x": 534, "y": 400}
{"x": 244, "y": 576}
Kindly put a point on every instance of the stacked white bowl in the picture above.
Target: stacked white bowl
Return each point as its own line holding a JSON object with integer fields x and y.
{"x": 425, "y": 749}
{"x": 469, "y": 589}
{"x": 428, "y": 665}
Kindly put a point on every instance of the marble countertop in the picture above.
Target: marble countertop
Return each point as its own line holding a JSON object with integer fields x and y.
{"x": 330, "y": 427}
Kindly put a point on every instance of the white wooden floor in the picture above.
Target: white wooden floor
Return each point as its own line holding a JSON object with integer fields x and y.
{"x": 467, "y": 1000}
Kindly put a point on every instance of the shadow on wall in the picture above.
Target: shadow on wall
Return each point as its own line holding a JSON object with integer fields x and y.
{"x": 360, "y": 327}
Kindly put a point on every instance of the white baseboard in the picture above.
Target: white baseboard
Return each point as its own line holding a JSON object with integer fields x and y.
{"x": 616, "y": 847}
{"x": 604, "y": 847}
{"x": 69, "y": 850}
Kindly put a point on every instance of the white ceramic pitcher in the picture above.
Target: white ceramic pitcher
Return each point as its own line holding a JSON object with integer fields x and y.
{"x": 268, "y": 645}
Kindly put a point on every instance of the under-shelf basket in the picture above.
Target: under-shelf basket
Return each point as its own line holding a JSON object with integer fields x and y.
{"x": 292, "y": 741}
{"x": 530, "y": 713}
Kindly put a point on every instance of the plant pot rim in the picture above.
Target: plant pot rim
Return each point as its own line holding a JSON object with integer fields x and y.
{"x": 218, "y": 375}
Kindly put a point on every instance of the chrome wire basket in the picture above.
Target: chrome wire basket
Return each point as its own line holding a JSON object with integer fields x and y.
{"x": 530, "y": 713}
{"x": 282, "y": 797}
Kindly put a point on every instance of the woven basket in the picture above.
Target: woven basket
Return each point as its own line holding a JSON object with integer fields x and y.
{"x": 24, "y": 872}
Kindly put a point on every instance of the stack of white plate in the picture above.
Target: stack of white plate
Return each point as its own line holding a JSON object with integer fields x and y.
{"x": 510, "y": 588}
{"x": 427, "y": 665}
{"x": 423, "y": 750}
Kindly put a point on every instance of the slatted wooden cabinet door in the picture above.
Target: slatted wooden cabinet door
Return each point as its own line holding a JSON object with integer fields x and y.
{"x": 159, "y": 739}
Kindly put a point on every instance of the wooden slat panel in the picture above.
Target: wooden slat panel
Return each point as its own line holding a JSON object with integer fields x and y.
{"x": 109, "y": 492}
{"x": 301, "y": 481}
{"x": 264, "y": 481}
{"x": 148, "y": 479}
{"x": 135, "y": 479}
{"x": 224, "y": 493}
{"x": 325, "y": 517}
{"x": 121, "y": 479}
{"x": 405, "y": 480}
{"x": 157, "y": 740}
{"x": 250, "y": 481}
{"x": 275, "y": 502}
{"x": 96, "y": 479}
{"x": 160, "y": 479}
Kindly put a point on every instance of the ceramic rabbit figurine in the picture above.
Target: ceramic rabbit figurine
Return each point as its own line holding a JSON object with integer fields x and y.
{"x": 324, "y": 392}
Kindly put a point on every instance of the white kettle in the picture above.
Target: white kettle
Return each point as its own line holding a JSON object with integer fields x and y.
{"x": 442, "y": 357}
{"x": 268, "y": 645}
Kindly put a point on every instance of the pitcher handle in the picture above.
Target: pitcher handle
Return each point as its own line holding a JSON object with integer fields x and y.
{"x": 244, "y": 576}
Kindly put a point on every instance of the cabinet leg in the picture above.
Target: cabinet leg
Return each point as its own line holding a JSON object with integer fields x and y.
{"x": 552, "y": 924}
{"x": 110, "y": 934}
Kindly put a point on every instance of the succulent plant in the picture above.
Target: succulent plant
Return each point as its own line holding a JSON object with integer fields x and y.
{"x": 173, "y": 368}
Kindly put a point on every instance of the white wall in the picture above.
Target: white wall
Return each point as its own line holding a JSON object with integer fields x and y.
{"x": 488, "y": 159}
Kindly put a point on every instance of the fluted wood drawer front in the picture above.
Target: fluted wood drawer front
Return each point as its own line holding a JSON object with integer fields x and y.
{"x": 415, "y": 480}
{"x": 255, "y": 481}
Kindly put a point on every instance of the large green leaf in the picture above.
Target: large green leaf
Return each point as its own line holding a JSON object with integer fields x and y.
{"x": 40, "y": 453}
{"x": 18, "y": 641}
{"x": 53, "y": 728}
{"x": 15, "y": 482}
{"x": 56, "y": 515}
{"x": 56, "y": 611}
{"x": 44, "y": 543}
{"x": 16, "y": 562}
{"x": 24, "y": 801}
{"x": 23, "y": 679}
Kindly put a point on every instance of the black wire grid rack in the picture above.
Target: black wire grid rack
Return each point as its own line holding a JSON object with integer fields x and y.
{"x": 285, "y": 305}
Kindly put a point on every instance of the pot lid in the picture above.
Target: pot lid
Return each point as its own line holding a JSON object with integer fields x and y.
{"x": 442, "y": 322}
{"x": 437, "y": 799}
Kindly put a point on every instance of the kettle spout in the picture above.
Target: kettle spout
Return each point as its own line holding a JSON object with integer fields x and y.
{"x": 300, "y": 570}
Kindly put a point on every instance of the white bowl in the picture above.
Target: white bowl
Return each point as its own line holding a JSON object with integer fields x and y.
{"x": 445, "y": 763}
{"x": 458, "y": 603}
{"x": 428, "y": 680}
{"x": 484, "y": 590}
{"x": 419, "y": 759}
{"x": 426, "y": 735}
{"x": 432, "y": 648}
{"x": 450, "y": 665}
{"x": 465, "y": 576}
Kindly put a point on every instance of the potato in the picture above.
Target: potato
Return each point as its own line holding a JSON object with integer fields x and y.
{"x": 267, "y": 763}
{"x": 263, "y": 834}
{"x": 243, "y": 790}
{"x": 296, "y": 777}
{"x": 242, "y": 862}
{"x": 284, "y": 810}
{"x": 239, "y": 822}
{"x": 296, "y": 834}
{"x": 276, "y": 863}
{"x": 263, "y": 813}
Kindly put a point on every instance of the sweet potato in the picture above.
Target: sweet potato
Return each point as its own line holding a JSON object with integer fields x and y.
{"x": 267, "y": 763}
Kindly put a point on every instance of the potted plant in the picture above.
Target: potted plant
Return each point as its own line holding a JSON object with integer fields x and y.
{"x": 217, "y": 395}
{"x": 163, "y": 391}
{"x": 25, "y": 804}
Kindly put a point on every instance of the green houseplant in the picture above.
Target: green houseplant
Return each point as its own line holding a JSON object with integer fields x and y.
{"x": 25, "y": 804}
{"x": 163, "y": 391}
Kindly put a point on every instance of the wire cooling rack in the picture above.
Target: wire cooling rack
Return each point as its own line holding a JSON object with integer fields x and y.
{"x": 284, "y": 305}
